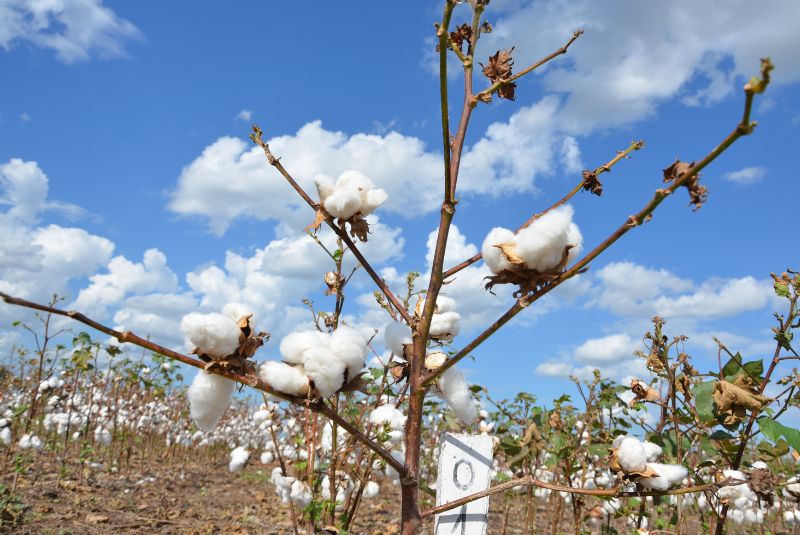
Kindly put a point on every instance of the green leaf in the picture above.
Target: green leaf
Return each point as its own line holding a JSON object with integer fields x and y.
{"x": 704, "y": 401}
{"x": 784, "y": 338}
{"x": 753, "y": 368}
{"x": 780, "y": 448}
{"x": 720, "y": 435}
{"x": 774, "y": 430}
{"x": 781, "y": 289}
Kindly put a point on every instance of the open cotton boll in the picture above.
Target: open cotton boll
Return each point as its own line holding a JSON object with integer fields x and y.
{"x": 350, "y": 347}
{"x": 574, "y": 238}
{"x": 652, "y": 451}
{"x": 541, "y": 244}
{"x": 668, "y": 475}
{"x": 300, "y": 493}
{"x": 494, "y": 257}
{"x": 209, "y": 396}
{"x": 354, "y": 179}
{"x": 343, "y": 203}
{"x": 445, "y": 325}
{"x": 31, "y": 442}
{"x": 284, "y": 378}
{"x": 5, "y": 436}
{"x": 371, "y": 489}
{"x": 295, "y": 344}
{"x": 239, "y": 458}
{"x": 324, "y": 369}
{"x": 325, "y": 186}
{"x": 455, "y": 391}
{"x": 267, "y": 457}
{"x": 445, "y": 304}
{"x": 388, "y": 414}
{"x": 395, "y": 336}
{"x": 102, "y": 435}
{"x": 214, "y": 334}
{"x": 631, "y": 455}
{"x": 760, "y": 465}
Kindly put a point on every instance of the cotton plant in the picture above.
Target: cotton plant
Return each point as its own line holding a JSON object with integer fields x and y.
{"x": 349, "y": 198}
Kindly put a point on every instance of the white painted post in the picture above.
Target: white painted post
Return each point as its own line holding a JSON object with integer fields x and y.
{"x": 465, "y": 463}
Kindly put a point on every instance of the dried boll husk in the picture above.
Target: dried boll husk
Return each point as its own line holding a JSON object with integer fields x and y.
{"x": 434, "y": 360}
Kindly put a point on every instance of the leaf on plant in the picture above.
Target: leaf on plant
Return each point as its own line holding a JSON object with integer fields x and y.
{"x": 733, "y": 401}
{"x": 643, "y": 392}
{"x": 592, "y": 183}
{"x": 499, "y": 70}
{"x": 697, "y": 193}
{"x": 774, "y": 431}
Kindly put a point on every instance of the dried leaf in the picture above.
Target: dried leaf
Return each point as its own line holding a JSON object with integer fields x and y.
{"x": 683, "y": 384}
{"x": 654, "y": 362}
{"x": 461, "y": 35}
{"x": 763, "y": 482}
{"x": 359, "y": 228}
{"x": 510, "y": 252}
{"x": 643, "y": 392}
{"x": 592, "y": 183}
{"x": 613, "y": 463}
{"x": 499, "y": 70}
{"x": 733, "y": 400}
{"x": 319, "y": 218}
{"x": 697, "y": 194}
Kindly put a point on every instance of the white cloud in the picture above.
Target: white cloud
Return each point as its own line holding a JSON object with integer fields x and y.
{"x": 245, "y": 115}
{"x": 24, "y": 117}
{"x": 74, "y": 29}
{"x": 571, "y": 155}
{"x": 635, "y": 56}
{"x": 606, "y": 350}
{"x": 746, "y": 176}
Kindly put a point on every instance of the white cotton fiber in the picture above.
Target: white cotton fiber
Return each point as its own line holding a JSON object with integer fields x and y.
{"x": 284, "y": 378}
{"x": 455, "y": 391}
{"x": 325, "y": 186}
{"x": 371, "y": 489}
{"x": 267, "y": 457}
{"x": 239, "y": 458}
{"x": 300, "y": 493}
{"x": 214, "y": 334}
{"x": 631, "y": 455}
{"x": 668, "y": 475}
{"x": 373, "y": 199}
{"x": 493, "y": 256}
{"x": 209, "y": 396}
{"x": 541, "y": 244}
{"x": 30, "y": 442}
{"x": 445, "y": 304}
{"x": 236, "y": 311}
{"x": 102, "y": 435}
{"x": 388, "y": 414}
{"x": 350, "y": 347}
{"x": 295, "y": 344}
{"x": 5, "y": 436}
{"x": 395, "y": 336}
{"x": 324, "y": 369}
{"x": 652, "y": 451}
{"x": 574, "y": 238}
{"x": 343, "y": 203}
{"x": 445, "y": 325}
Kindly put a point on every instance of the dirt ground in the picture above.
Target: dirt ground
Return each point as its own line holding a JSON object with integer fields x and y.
{"x": 186, "y": 500}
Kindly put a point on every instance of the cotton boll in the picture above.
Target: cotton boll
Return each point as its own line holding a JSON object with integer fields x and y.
{"x": 209, "y": 396}
{"x": 652, "y": 451}
{"x": 371, "y": 489}
{"x": 343, "y": 203}
{"x": 541, "y": 244}
{"x": 374, "y": 198}
{"x": 794, "y": 485}
{"x": 5, "y": 436}
{"x": 102, "y": 435}
{"x": 354, "y": 179}
{"x": 350, "y": 347}
{"x": 300, "y": 493}
{"x": 445, "y": 304}
{"x": 239, "y": 458}
{"x": 574, "y": 238}
{"x": 668, "y": 475}
{"x": 493, "y": 256}
{"x": 295, "y": 344}
{"x": 30, "y": 442}
{"x": 267, "y": 457}
{"x": 284, "y": 378}
{"x": 760, "y": 465}
{"x": 395, "y": 336}
{"x": 324, "y": 369}
{"x": 631, "y": 455}
{"x": 445, "y": 325}
{"x": 214, "y": 334}
{"x": 455, "y": 391}
{"x": 388, "y": 414}
{"x": 789, "y": 517}
{"x": 325, "y": 186}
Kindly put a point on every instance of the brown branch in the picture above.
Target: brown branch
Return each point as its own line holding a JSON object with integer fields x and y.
{"x": 275, "y": 162}
{"x": 530, "y": 481}
{"x": 254, "y": 382}
{"x": 605, "y": 168}
{"x": 744, "y": 128}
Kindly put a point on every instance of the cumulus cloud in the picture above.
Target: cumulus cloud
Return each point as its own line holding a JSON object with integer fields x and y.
{"x": 746, "y": 176}
{"x": 606, "y": 350}
{"x": 245, "y": 115}
{"x": 74, "y": 29}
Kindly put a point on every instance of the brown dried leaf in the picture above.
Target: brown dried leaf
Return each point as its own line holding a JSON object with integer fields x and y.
{"x": 510, "y": 252}
{"x": 461, "y": 35}
{"x": 359, "y": 228}
{"x": 697, "y": 194}
{"x": 763, "y": 482}
{"x": 733, "y": 400}
{"x": 684, "y": 385}
{"x": 555, "y": 420}
{"x": 654, "y": 362}
{"x": 592, "y": 183}
{"x": 643, "y": 392}
{"x": 319, "y": 218}
{"x": 499, "y": 70}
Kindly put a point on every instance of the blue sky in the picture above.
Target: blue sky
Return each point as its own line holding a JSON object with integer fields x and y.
{"x": 128, "y": 184}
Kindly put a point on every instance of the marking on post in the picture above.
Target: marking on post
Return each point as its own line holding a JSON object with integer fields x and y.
{"x": 465, "y": 463}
